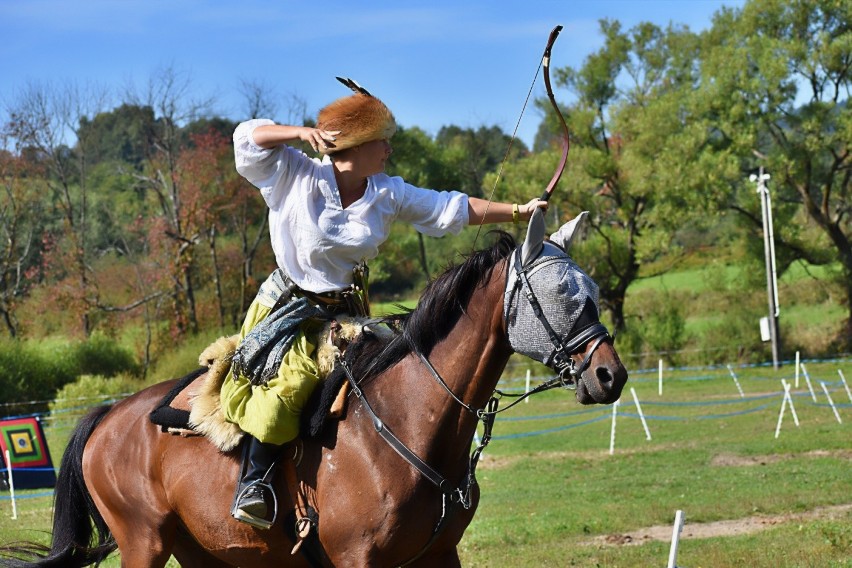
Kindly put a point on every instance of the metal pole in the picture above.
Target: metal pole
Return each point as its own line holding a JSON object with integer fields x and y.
{"x": 769, "y": 253}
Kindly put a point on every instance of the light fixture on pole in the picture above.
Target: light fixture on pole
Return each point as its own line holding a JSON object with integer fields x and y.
{"x": 769, "y": 325}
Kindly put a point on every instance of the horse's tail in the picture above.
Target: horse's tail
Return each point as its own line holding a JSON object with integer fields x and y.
{"x": 80, "y": 534}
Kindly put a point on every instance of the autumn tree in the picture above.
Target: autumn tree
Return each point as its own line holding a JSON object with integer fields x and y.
{"x": 46, "y": 124}
{"x": 21, "y": 188}
{"x": 168, "y": 93}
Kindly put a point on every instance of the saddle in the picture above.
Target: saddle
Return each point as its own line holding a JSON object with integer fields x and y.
{"x": 193, "y": 407}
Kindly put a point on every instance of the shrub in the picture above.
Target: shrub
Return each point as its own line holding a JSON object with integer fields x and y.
{"x": 28, "y": 373}
{"x": 102, "y": 355}
{"x": 183, "y": 357}
{"x": 92, "y": 390}
{"x": 34, "y": 372}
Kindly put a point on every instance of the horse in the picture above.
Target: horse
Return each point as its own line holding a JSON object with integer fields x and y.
{"x": 389, "y": 484}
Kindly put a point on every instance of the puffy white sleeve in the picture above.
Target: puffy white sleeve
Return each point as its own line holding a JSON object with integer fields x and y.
{"x": 434, "y": 213}
{"x": 266, "y": 169}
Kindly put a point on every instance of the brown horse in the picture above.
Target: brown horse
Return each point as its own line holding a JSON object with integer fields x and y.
{"x": 123, "y": 484}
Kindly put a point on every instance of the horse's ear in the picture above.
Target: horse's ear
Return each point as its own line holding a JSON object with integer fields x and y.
{"x": 566, "y": 232}
{"x": 535, "y": 237}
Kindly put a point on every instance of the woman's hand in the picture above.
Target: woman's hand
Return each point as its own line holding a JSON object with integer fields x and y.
{"x": 320, "y": 140}
{"x": 526, "y": 210}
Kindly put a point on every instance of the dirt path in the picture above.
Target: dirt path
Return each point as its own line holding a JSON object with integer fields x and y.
{"x": 735, "y": 527}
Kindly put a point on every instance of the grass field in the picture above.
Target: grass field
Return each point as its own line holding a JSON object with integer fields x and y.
{"x": 552, "y": 495}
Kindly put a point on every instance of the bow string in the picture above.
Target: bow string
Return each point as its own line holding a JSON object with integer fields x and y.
{"x": 545, "y": 63}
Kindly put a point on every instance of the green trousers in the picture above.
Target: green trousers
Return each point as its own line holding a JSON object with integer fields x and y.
{"x": 271, "y": 412}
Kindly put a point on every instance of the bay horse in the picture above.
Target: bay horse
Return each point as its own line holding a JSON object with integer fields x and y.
{"x": 125, "y": 485}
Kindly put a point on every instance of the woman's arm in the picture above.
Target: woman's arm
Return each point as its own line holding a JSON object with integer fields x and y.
{"x": 482, "y": 212}
{"x": 271, "y": 135}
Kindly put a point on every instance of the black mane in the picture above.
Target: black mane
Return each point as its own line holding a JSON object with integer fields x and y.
{"x": 441, "y": 305}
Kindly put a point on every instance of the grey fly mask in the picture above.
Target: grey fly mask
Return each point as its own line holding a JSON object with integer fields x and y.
{"x": 550, "y": 304}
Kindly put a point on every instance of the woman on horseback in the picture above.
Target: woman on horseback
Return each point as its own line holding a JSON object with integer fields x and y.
{"x": 327, "y": 218}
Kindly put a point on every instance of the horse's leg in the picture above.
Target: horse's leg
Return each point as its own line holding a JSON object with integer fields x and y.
{"x": 138, "y": 545}
{"x": 192, "y": 555}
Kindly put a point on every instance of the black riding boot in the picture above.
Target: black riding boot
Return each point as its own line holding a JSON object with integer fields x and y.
{"x": 254, "y": 500}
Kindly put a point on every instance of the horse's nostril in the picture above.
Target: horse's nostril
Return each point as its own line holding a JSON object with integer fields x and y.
{"x": 603, "y": 375}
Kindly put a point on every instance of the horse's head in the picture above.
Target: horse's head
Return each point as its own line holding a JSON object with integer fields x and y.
{"x": 551, "y": 315}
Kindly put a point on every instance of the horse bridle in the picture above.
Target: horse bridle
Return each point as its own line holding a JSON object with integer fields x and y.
{"x": 567, "y": 371}
{"x": 567, "y": 374}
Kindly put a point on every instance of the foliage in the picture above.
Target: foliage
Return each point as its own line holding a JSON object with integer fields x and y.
{"x": 661, "y": 325}
{"x": 36, "y": 371}
{"x": 127, "y": 218}
{"x": 91, "y": 390}
{"x": 775, "y": 81}
{"x": 101, "y": 355}
{"x": 30, "y": 373}
{"x": 630, "y": 97}
{"x": 21, "y": 223}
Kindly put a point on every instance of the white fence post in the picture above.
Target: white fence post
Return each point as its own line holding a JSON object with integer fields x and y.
{"x": 11, "y": 485}
{"x": 736, "y": 381}
{"x": 797, "y": 369}
{"x": 831, "y": 402}
{"x": 678, "y": 526}
{"x": 790, "y": 401}
{"x": 846, "y": 386}
{"x": 808, "y": 382}
{"x": 612, "y": 433}
{"x": 781, "y": 414}
{"x": 641, "y": 416}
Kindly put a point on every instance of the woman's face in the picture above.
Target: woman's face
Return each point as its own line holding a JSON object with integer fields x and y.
{"x": 373, "y": 155}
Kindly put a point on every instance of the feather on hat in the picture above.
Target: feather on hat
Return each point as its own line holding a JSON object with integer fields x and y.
{"x": 359, "y": 118}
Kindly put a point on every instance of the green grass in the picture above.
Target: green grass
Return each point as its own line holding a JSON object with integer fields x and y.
{"x": 548, "y": 498}
{"x": 694, "y": 279}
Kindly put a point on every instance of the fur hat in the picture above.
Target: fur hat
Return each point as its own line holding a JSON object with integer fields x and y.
{"x": 359, "y": 118}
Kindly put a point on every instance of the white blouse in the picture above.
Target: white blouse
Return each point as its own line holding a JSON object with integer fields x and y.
{"x": 316, "y": 241}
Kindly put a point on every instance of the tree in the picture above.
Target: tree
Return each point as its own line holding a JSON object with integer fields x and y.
{"x": 475, "y": 153}
{"x": 123, "y": 135}
{"x": 629, "y": 106}
{"x": 774, "y": 92}
{"x": 167, "y": 93}
{"x": 20, "y": 212}
{"x": 47, "y": 123}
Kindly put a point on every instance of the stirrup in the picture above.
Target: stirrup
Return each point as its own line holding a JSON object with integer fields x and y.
{"x": 248, "y": 518}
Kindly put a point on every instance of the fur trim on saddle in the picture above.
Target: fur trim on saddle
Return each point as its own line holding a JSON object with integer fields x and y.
{"x": 206, "y": 415}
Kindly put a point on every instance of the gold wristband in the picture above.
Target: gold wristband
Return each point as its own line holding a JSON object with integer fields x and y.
{"x": 516, "y": 213}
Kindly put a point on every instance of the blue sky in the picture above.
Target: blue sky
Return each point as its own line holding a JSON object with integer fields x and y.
{"x": 434, "y": 63}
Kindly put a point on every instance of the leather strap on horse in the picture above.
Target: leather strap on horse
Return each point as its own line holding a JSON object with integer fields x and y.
{"x": 449, "y": 496}
{"x": 562, "y": 362}
{"x": 300, "y": 501}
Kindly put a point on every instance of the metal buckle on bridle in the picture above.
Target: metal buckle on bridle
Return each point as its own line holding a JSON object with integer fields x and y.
{"x": 565, "y": 368}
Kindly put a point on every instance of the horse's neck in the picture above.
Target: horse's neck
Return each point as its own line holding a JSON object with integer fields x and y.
{"x": 475, "y": 352}
{"x": 470, "y": 360}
